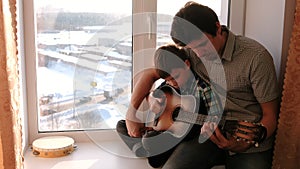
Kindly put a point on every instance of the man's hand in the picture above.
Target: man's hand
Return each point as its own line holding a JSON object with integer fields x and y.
{"x": 211, "y": 131}
{"x": 230, "y": 143}
{"x": 247, "y": 131}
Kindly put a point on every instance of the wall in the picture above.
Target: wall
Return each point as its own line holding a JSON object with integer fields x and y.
{"x": 264, "y": 22}
{"x": 271, "y": 23}
{"x": 290, "y": 8}
{"x": 23, "y": 103}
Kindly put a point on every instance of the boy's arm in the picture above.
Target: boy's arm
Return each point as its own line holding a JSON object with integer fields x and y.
{"x": 143, "y": 83}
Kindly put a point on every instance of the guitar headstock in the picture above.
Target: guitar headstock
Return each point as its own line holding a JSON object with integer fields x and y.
{"x": 250, "y": 132}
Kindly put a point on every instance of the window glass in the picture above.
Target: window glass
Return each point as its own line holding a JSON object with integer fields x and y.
{"x": 166, "y": 9}
{"x": 83, "y": 63}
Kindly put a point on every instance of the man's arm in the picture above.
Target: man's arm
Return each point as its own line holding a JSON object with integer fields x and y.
{"x": 143, "y": 83}
{"x": 270, "y": 114}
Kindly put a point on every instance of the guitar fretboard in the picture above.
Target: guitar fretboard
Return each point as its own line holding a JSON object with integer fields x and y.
{"x": 200, "y": 119}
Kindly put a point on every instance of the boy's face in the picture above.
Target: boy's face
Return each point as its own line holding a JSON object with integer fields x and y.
{"x": 179, "y": 77}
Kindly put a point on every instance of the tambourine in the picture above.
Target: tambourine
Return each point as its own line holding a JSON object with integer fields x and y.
{"x": 53, "y": 146}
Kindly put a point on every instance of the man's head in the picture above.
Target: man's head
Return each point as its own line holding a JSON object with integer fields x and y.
{"x": 191, "y": 21}
{"x": 172, "y": 64}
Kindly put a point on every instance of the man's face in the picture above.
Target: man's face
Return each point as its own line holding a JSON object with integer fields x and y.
{"x": 204, "y": 47}
{"x": 179, "y": 77}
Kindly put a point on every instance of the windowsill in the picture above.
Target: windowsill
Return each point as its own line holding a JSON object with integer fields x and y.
{"x": 90, "y": 155}
{"x": 111, "y": 154}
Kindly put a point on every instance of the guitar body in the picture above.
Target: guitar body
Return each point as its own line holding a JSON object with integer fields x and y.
{"x": 175, "y": 104}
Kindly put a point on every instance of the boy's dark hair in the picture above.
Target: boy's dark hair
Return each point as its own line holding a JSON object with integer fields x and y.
{"x": 169, "y": 57}
{"x": 191, "y": 20}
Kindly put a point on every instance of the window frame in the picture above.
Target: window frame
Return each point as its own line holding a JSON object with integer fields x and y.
{"x": 140, "y": 42}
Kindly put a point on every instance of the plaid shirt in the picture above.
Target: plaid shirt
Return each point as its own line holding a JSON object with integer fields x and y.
{"x": 210, "y": 98}
{"x": 202, "y": 90}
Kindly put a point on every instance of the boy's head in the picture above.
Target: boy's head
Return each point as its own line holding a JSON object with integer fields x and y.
{"x": 172, "y": 64}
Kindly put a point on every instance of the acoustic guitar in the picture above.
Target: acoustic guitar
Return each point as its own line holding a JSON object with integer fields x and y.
{"x": 180, "y": 112}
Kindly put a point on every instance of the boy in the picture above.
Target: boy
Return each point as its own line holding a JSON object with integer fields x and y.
{"x": 173, "y": 65}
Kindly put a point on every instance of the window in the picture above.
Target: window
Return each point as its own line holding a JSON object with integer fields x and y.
{"x": 165, "y": 15}
{"x": 83, "y": 63}
{"x": 81, "y": 56}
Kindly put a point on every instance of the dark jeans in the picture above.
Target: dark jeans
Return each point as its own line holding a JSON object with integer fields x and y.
{"x": 156, "y": 146}
{"x": 261, "y": 160}
{"x": 190, "y": 154}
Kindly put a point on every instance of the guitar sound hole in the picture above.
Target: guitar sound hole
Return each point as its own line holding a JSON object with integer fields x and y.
{"x": 175, "y": 113}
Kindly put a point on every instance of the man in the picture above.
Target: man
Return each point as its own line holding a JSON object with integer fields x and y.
{"x": 250, "y": 91}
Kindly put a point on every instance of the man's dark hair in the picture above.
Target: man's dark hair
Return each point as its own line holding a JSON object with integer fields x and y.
{"x": 169, "y": 57}
{"x": 191, "y": 20}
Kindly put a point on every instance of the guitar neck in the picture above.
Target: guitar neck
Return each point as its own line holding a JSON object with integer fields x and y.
{"x": 200, "y": 119}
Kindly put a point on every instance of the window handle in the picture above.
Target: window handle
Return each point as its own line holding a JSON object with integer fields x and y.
{"x": 149, "y": 20}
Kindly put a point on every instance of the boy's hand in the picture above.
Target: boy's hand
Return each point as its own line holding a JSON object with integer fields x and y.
{"x": 135, "y": 129}
{"x": 156, "y": 102}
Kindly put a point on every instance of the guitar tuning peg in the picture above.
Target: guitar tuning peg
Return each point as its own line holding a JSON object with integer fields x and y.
{"x": 238, "y": 139}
